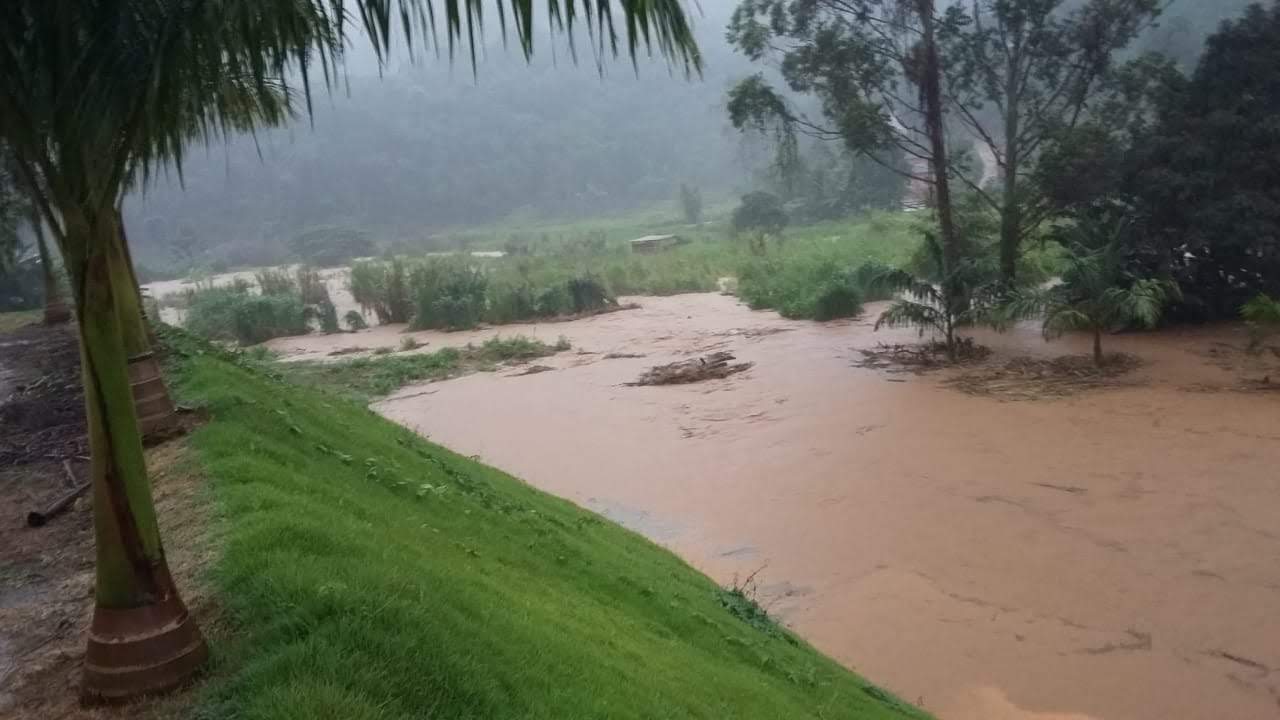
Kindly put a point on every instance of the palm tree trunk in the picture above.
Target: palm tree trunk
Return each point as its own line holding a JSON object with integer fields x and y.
{"x": 155, "y": 409}
{"x": 141, "y": 639}
{"x": 1097, "y": 347}
{"x": 56, "y": 311}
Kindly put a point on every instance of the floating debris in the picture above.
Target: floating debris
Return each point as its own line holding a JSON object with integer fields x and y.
{"x": 708, "y": 367}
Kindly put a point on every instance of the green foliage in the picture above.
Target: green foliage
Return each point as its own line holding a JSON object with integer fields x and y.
{"x": 813, "y": 287}
{"x": 1203, "y": 180}
{"x": 1096, "y": 293}
{"x": 1262, "y": 315}
{"x": 938, "y": 301}
{"x": 816, "y": 275}
{"x": 367, "y": 378}
{"x": 449, "y": 293}
{"x": 759, "y": 213}
{"x": 354, "y": 320}
{"x": 363, "y": 571}
{"x": 311, "y": 286}
{"x": 273, "y": 281}
{"x": 691, "y": 204}
{"x": 382, "y": 288}
{"x": 232, "y": 313}
{"x": 327, "y": 316}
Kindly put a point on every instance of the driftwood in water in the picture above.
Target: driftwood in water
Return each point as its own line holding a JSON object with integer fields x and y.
{"x": 709, "y": 367}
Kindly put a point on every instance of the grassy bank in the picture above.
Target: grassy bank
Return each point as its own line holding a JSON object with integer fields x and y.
{"x": 368, "y": 574}
{"x": 366, "y": 378}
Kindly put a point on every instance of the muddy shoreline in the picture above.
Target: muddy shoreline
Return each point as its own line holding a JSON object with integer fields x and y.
{"x": 1109, "y": 554}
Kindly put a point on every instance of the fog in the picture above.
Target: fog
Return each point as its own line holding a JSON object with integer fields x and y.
{"x": 431, "y": 145}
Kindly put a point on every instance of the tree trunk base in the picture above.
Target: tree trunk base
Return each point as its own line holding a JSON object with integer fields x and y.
{"x": 56, "y": 313}
{"x": 141, "y": 651}
{"x": 157, "y": 415}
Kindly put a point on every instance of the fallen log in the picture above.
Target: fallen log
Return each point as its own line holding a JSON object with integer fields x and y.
{"x": 37, "y": 518}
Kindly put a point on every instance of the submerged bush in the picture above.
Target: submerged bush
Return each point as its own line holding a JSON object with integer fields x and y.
{"x": 383, "y": 289}
{"x": 448, "y": 294}
{"x": 800, "y": 287}
{"x": 311, "y": 286}
{"x": 275, "y": 282}
{"x": 233, "y": 313}
{"x": 355, "y": 321}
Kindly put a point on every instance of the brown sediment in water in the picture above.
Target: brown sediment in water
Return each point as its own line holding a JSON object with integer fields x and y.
{"x": 1113, "y": 554}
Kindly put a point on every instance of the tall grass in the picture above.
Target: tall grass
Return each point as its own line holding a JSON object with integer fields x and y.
{"x": 233, "y": 313}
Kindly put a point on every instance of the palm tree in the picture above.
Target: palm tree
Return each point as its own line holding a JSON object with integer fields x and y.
{"x": 939, "y": 303}
{"x": 1096, "y": 293}
{"x": 97, "y": 93}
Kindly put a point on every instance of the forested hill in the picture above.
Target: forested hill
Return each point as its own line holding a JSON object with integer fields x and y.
{"x": 429, "y": 145}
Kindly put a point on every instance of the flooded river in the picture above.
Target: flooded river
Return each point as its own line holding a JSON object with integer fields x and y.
{"x": 1114, "y": 554}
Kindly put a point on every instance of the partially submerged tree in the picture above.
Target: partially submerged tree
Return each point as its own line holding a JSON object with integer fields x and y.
{"x": 1018, "y": 74}
{"x": 94, "y": 93}
{"x": 939, "y": 302}
{"x": 1096, "y": 294}
{"x": 875, "y": 69}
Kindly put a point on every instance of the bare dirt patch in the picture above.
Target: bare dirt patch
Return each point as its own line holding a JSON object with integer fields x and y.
{"x": 708, "y": 367}
{"x": 41, "y": 408}
{"x": 1028, "y": 378}
{"x": 46, "y": 590}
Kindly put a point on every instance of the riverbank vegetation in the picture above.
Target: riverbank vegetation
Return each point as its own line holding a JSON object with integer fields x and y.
{"x": 363, "y": 570}
{"x": 380, "y": 374}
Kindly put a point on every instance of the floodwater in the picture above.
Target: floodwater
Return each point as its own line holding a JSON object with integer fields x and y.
{"x": 1114, "y": 554}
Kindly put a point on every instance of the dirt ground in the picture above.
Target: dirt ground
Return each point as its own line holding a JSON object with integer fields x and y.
{"x": 1014, "y": 539}
{"x": 46, "y": 573}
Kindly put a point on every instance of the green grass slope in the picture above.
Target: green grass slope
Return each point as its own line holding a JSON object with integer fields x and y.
{"x": 366, "y": 573}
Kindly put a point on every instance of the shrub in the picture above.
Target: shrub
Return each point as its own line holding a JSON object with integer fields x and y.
{"x": 327, "y": 315}
{"x": 801, "y": 287}
{"x": 383, "y": 288}
{"x": 232, "y": 313}
{"x": 588, "y": 295}
{"x": 355, "y": 321}
{"x": 311, "y": 286}
{"x": 449, "y": 294}
{"x": 1262, "y": 315}
{"x": 275, "y": 282}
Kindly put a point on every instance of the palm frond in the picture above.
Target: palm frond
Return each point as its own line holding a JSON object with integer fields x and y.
{"x": 1063, "y": 319}
{"x": 876, "y": 278}
{"x": 1261, "y": 309}
{"x": 904, "y": 313}
{"x": 1019, "y": 305}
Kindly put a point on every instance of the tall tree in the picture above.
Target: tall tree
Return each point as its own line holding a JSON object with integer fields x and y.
{"x": 1021, "y": 72}
{"x": 875, "y": 70}
{"x": 96, "y": 92}
{"x": 1205, "y": 180}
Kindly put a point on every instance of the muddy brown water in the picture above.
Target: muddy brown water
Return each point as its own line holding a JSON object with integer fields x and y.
{"x": 1114, "y": 554}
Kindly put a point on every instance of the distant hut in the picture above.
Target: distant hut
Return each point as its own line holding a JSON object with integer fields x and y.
{"x": 656, "y": 243}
